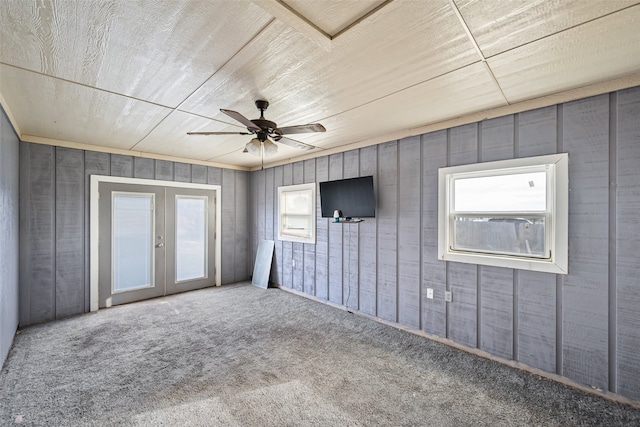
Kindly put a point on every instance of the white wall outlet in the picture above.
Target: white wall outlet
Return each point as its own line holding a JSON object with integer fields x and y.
{"x": 429, "y": 293}
{"x": 293, "y": 263}
{"x": 447, "y": 296}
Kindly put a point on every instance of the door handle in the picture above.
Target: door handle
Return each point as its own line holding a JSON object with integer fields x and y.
{"x": 160, "y": 245}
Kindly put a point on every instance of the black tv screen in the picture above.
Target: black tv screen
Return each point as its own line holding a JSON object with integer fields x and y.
{"x": 354, "y": 197}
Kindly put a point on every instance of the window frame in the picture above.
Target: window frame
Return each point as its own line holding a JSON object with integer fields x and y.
{"x": 556, "y": 213}
{"x": 291, "y": 236}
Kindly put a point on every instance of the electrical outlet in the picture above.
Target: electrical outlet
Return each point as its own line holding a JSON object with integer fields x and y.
{"x": 293, "y": 263}
{"x": 447, "y": 296}
{"x": 429, "y": 293}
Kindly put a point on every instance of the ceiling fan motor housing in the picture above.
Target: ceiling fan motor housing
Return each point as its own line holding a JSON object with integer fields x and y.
{"x": 262, "y": 105}
{"x": 265, "y": 125}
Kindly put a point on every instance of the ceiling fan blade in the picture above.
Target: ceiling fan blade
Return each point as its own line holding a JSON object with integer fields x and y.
{"x": 242, "y": 119}
{"x": 296, "y": 144}
{"x": 288, "y": 130}
{"x": 218, "y": 133}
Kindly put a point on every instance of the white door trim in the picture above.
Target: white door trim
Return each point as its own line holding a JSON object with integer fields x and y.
{"x": 94, "y": 221}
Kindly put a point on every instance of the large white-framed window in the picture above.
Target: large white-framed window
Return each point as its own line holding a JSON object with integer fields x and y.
{"x": 297, "y": 213}
{"x": 509, "y": 213}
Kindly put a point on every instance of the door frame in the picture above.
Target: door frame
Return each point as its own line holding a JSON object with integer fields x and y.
{"x": 94, "y": 221}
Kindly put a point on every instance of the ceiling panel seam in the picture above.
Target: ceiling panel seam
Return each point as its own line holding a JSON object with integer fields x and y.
{"x": 473, "y": 41}
{"x": 86, "y": 85}
{"x": 361, "y": 19}
{"x": 215, "y": 73}
{"x": 229, "y": 62}
{"x": 572, "y": 27}
{"x": 466, "y": 29}
{"x": 304, "y": 19}
{"x": 289, "y": 16}
{"x": 395, "y": 92}
{"x": 295, "y": 19}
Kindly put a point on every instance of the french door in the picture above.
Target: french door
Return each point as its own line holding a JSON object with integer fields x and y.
{"x": 154, "y": 241}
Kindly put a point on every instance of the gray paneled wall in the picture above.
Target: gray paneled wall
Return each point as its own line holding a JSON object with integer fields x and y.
{"x": 9, "y": 220}
{"x": 54, "y": 221}
{"x": 584, "y": 325}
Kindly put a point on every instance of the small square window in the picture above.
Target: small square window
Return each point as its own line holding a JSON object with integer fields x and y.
{"x": 297, "y": 213}
{"x": 510, "y": 213}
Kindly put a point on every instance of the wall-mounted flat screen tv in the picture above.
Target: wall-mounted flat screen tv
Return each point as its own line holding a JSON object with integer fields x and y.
{"x": 354, "y": 197}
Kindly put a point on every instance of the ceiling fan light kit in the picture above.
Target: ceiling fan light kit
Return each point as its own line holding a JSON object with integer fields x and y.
{"x": 269, "y": 148}
{"x": 265, "y": 131}
{"x": 253, "y": 147}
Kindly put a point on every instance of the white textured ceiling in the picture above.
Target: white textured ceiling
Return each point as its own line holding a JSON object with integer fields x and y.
{"x": 135, "y": 76}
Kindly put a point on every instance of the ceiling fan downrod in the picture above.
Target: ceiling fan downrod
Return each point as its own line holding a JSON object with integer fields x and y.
{"x": 262, "y": 106}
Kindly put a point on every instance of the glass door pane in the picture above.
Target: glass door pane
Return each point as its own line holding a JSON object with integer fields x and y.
{"x": 132, "y": 241}
{"x": 191, "y": 237}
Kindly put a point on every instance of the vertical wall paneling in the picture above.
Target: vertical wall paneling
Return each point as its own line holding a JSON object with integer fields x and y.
{"x": 537, "y": 320}
{"x": 298, "y": 248}
{"x": 434, "y": 272}
{"x": 309, "y": 273}
{"x": 350, "y": 236}
{"x": 387, "y": 230}
{"x": 279, "y": 264}
{"x": 287, "y": 247}
{"x": 198, "y": 174}
{"x": 144, "y": 168}
{"x": 497, "y": 311}
{"x": 368, "y": 260}
{"x": 228, "y": 225}
{"x": 585, "y": 289}
{"x": 214, "y": 176}
{"x": 37, "y": 233}
{"x": 409, "y": 197}
{"x": 612, "y": 333}
{"x": 627, "y": 237}
{"x": 259, "y": 202}
{"x": 322, "y": 234}
{"x": 270, "y": 197}
{"x": 164, "y": 170}
{"x": 9, "y": 234}
{"x": 24, "y": 233}
{"x": 536, "y": 292}
{"x": 95, "y": 163}
{"x": 559, "y": 278}
{"x": 121, "y": 165}
{"x": 497, "y": 139}
{"x": 269, "y": 203}
{"x": 253, "y": 218}
{"x": 182, "y": 172}
{"x": 537, "y": 132}
{"x": 496, "y": 298}
{"x": 69, "y": 245}
{"x": 335, "y": 239}
{"x": 463, "y": 278}
{"x": 241, "y": 227}
{"x": 297, "y": 173}
{"x": 287, "y": 174}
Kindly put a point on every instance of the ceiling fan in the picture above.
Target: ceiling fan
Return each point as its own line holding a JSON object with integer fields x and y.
{"x": 264, "y": 129}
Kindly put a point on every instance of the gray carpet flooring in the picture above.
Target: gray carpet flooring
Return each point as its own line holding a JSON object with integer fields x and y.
{"x": 239, "y": 355}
